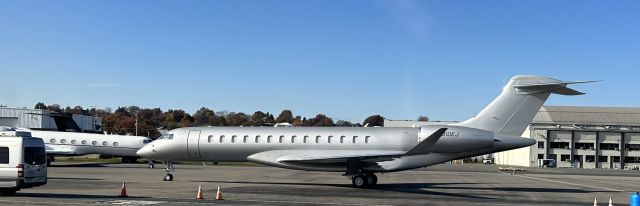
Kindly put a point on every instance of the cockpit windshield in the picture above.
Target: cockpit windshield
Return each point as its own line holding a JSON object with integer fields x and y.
{"x": 166, "y": 136}
{"x": 146, "y": 141}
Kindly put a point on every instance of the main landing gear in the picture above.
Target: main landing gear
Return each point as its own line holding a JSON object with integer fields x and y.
{"x": 50, "y": 159}
{"x": 364, "y": 180}
{"x": 359, "y": 176}
{"x": 169, "y": 170}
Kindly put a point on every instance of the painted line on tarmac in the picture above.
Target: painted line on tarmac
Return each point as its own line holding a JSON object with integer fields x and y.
{"x": 569, "y": 183}
{"x": 42, "y": 202}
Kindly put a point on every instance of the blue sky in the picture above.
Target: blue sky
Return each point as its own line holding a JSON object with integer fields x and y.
{"x": 346, "y": 59}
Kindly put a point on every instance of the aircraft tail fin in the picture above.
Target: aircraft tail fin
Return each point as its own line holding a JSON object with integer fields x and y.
{"x": 512, "y": 111}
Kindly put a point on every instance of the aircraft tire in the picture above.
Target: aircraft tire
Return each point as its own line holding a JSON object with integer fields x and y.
{"x": 359, "y": 181}
{"x": 151, "y": 166}
{"x": 372, "y": 179}
{"x": 168, "y": 177}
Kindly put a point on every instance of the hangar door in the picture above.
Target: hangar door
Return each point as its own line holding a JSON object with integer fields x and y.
{"x": 193, "y": 144}
{"x": 9, "y": 121}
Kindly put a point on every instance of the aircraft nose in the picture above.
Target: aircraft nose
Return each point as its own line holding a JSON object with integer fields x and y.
{"x": 146, "y": 151}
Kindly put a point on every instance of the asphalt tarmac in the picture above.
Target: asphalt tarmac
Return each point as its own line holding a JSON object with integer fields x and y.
{"x": 468, "y": 184}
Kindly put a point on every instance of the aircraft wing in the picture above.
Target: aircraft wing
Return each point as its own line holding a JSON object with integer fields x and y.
{"x": 322, "y": 156}
{"x": 53, "y": 150}
{"x": 283, "y": 158}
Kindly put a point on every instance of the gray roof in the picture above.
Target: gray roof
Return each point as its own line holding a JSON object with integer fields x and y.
{"x": 626, "y": 116}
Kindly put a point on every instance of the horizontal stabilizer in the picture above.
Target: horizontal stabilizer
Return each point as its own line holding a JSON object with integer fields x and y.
{"x": 556, "y": 87}
{"x": 423, "y": 147}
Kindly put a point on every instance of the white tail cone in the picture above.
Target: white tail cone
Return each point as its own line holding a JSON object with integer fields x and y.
{"x": 595, "y": 201}
{"x": 610, "y": 202}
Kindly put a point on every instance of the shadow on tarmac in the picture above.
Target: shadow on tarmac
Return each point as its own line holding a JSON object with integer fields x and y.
{"x": 101, "y": 164}
{"x": 71, "y": 178}
{"x": 427, "y": 188}
{"x": 91, "y": 164}
{"x": 415, "y": 188}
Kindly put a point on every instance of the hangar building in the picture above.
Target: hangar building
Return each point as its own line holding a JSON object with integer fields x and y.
{"x": 582, "y": 137}
{"x": 44, "y": 119}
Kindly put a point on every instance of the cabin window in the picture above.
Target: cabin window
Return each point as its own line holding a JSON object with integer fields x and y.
{"x": 245, "y": 139}
{"x": 115, "y": 144}
{"x": 84, "y": 142}
{"x": 221, "y": 138}
{"x": 73, "y": 141}
{"x": 354, "y": 139}
{"x": 94, "y": 143}
{"x": 318, "y": 139}
{"x": 281, "y": 138}
{"x": 63, "y": 141}
{"x": 269, "y": 138}
{"x": 233, "y": 138}
{"x": 4, "y": 155}
{"x": 105, "y": 143}
{"x": 210, "y": 138}
{"x": 342, "y": 139}
{"x": 305, "y": 139}
{"x": 366, "y": 139}
{"x": 257, "y": 138}
{"x": 52, "y": 140}
{"x": 293, "y": 139}
{"x": 329, "y": 139}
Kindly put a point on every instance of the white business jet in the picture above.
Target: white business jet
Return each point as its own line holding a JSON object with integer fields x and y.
{"x": 79, "y": 143}
{"x": 361, "y": 152}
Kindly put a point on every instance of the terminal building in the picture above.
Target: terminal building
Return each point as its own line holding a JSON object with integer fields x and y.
{"x": 46, "y": 120}
{"x": 581, "y": 137}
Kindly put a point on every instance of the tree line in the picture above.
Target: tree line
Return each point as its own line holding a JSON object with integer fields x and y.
{"x": 122, "y": 120}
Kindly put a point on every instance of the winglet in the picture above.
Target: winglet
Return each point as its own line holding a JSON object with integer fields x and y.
{"x": 423, "y": 147}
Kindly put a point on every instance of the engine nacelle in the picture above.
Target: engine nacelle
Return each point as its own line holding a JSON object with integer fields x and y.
{"x": 458, "y": 139}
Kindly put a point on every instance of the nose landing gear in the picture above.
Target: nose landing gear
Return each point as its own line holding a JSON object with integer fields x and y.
{"x": 169, "y": 169}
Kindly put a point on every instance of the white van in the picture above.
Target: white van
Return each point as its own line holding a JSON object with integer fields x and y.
{"x": 23, "y": 162}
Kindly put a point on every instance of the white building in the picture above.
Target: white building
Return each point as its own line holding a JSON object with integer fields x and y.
{"x": 43, "y": 119}
{"x": 411, "y": 123}
{"x": 583, "y": 137}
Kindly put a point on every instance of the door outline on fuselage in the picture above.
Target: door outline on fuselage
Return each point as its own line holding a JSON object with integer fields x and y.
{"x": 193, "y": 144}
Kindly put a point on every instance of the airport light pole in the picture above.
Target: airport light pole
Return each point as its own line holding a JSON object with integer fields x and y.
{"x": 136, "y": 123}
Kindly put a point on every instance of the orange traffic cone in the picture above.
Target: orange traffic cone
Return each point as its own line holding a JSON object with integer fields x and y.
{"x": 123, "y": 191}
{"x": 219, "y": 194}
{"x": 199, "y": 195}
